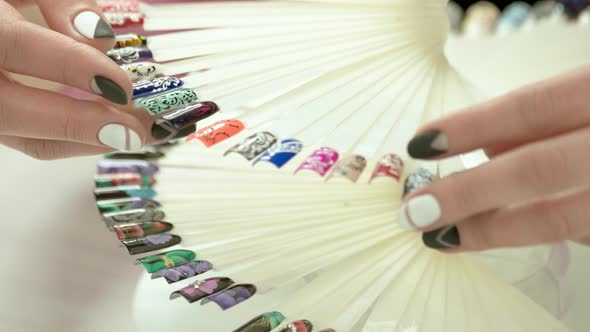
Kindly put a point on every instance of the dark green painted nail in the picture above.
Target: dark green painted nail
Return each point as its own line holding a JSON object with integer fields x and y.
{"x": 110, "y": 90}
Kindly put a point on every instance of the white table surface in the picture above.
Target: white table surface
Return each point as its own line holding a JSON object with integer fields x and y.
{"x": 61, "y": 271}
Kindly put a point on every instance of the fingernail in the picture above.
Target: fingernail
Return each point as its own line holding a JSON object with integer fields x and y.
{"x": 130, "y": 54}
{"x": 124, "y": 191}
{"x": 184, "y": 271}
{"x": 390, "y": 165}
{"x": 123, "y": 179}
{"x": 350, "y": 167}
{"x": 125, "y": 204}
{"x": 201, "y": 289}
{"x": 108, "y": 166}
{"x": 419, "y": 212}
{"x": 320, "y": 161}
{"x": 141, "y": 70}
{"x": 118, "y": 137}
{"x": 419, "y": 179}
{"x": 428, "y": 144}
{"x": 137, "y": 230}
{"x": 130, "y": 39}
{"x": 182, "y": 122}
{"x": 168, "y": 101}
{"x": 167, "y": 260}
{"x": 92, "y": 26}
{"x": 155, "y": 86}
{"x": 217, "y": 132}
{"x": 151, "y": 243}
{"x": 298, "y": 326}
{"x": 232, "y": 296}
{"x": 132, "y": 216}
{"x": 444, "y": 238}
{"x": 263, "y": 323}
{"x": 281, "y": 153}
{"x": 253, "y": 145}
{"x": 109, "y": 90}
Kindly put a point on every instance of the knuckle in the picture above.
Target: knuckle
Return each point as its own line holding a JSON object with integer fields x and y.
{"x": 42, "y": 149}
{"x": 541, "y": 169}
{"x": 464, "y": 197}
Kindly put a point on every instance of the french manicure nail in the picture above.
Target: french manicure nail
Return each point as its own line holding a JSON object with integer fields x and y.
{"x": 420, "y": 178}
{"x": 151, "y": 243}
{"x": 444, "y": 238}
{"x": 167, "y": 260}
{"x": 141, "y": 70}
{"x": 232, "y": 296}
{"x": 182, "y": 122}
{"x": 350, "y": 167}
{"x": 130, "y": 39}
{"x": 132, "y": 216}
{"x": 281, "y": 153}
{"x": 263, "y": 323}
{"x": 167, "y": 101}
{"x": 109, "y": 90}
{"x": 129, "y": 54}
{"x": 217, "y": 132}
{"x": 298, "y": 326}
{"x": 123, "y": 179}
{"x": 428, "y": 144}
{"x": 155, "y": 86}
{"x": 138, "y": 230}
{"x": 92, "y": 26}
{"x": 390, "y": 165}
{"x": 253, "y": 145}
{"x": 118, "y": 137}
{"x": 184, "y": 271}
{"x": 320, "y": 161}
{"x": 419, "y": 212}
{"x": 109, "y": 166}
{"x": 125, "y": 204}
{"x": 124, "y": 191}
{"x": 201, "y": 289}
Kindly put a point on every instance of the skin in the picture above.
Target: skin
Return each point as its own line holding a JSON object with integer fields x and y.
{"x": 48, "y": 125}
{"x": 536, "y": 188}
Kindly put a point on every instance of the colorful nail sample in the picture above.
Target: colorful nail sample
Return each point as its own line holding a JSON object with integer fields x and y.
{"x": 320, "y": 161}
{"x": 428, "y": 144}
{"x": 391, "y": 165}
{"x": 168, "y": 101}
{"x": 200, "y": 289}
{"x": 123, "y": 179}
{"x": 141, "y": 70}
{"x": 420, "y": 178}
{"x": 253, "y": 145}
{"x": 124, "y": 204}
{"x": 263, "y": 323}
{"x": 298, "y": 326}
{"x": 350, "y": 167}
{"x": 147, "y": 153}
{"x": 129, "y": 54}
{"x": 182, "y": 272}
{"x": 155, "y": 86}
{"x": 130, "y": 39}
{"x": 232, "y": 296}
{"x": 151, "y": 243}
{"x": 280, "y": 153}
{"x": 133, "y": 216}
{"x": 108, "y": 166}
{"x": 480, "y": 19}
{"x": 132, "y": 231}
{"x": 217, "y": 132}
{"x": 167, "y": 259}
{"x": 121, "y": 13}
{"x": 513, "y": 17}
{"x": 124, "y": 191}
{"x": 108, "y": 6}
{"x": 444, "y": 238}
{"x": 182, "y": 122}
{"x": 122, "y": 19}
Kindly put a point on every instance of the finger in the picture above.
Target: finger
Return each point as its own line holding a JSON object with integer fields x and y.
{"x": 547, "y": 221}
{"x": 36, "y": 113}
{"x": 29, "y": 49}
{"x": 79, "y": 19}
{"x": 528, "y": 173}
{"x": 534, "y": 112}
{"x": 50, "y": 150}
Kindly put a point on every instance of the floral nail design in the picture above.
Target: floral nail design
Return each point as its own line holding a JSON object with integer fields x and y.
{"x": 298, "y": 326}
{"x": 109, "y": 166}
{"x": 350, "y": 167}
{"x": 151, "y": 243}
{"x": 130, "y": 39}
{"x": 148, "y": 153}
{"x": 263, "y": 323}
{"x": 254, "y": 145}
{"x": 121, "y": 13}
{"x": 185, "y": 271}
{"x": 123, "y": 179}
{"x": 131, "y": 231}
{"x": 217, "y": 132}
{"x": 202, "y": 288}
{"x": 167, "y": 260}
{"x": 129, "y": 54}
{"x": 133, "y": 216}
{"x": 168, "y": 101}
{"x": 280, "y": 153}
{"x": 124, "y": 19}
{"x": 232, "y": 296}
{"x": 155, "y": 86}
{"x": 176, "y": 124}
{"x": 124, "y": 191}
{"x": 421, "y": 177}
{"x": 391, "y": 165}
{"x": 320, "y": 161}
{"x": 141, "y": 70}
{"x": 124, "y": 204}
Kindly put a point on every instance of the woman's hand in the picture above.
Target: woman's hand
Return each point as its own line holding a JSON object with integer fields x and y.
{"x": 535, "y": 189}
{"x": 49, "y": 125}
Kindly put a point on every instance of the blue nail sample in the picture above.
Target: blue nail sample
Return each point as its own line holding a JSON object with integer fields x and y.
{"x": 130, "y": 54}
{"x": 280, "y": 153}
{"x": 155, "y": 86}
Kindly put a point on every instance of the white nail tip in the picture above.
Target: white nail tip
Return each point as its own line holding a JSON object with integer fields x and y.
{"x": 118, "y": 137}
{"x": 421, "y": 211}
{"x": 86, "y": 23}
{"x": 440, "y": 143}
